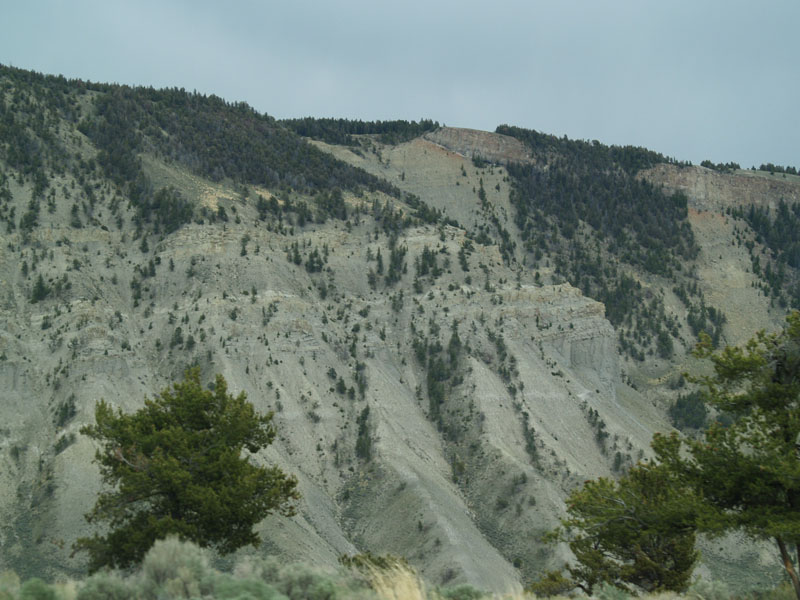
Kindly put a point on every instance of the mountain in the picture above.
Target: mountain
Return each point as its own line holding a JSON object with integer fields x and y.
{"x": 454, "y": 328}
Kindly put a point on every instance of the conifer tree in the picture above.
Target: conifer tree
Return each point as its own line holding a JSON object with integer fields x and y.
{"x": 637, "y": 531}
{"x": 178, "y": 466}
{"x": 747, "y": 466}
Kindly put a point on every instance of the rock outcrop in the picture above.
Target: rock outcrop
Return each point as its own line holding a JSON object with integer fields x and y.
{"x": 712, "y": 191}
{"x": 491, "y": 147}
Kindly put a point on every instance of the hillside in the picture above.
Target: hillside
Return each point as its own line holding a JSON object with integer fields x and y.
{"x": 448, "y": 345}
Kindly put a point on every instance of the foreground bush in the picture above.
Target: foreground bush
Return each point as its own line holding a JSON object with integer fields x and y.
{"x": 175, "y": 570}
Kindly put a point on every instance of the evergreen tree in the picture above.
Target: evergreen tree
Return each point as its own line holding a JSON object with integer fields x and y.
{"x": 176, "y": 467}
{"x": 40, "y": 290}
{"x": 638, "y": 531}
{"x": 748, "y": 470}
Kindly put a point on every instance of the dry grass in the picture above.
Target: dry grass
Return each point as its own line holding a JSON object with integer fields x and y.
{"x": 397, "y": 583}
{"x": 401, "y": 582}
{"x": 175, "y": 570}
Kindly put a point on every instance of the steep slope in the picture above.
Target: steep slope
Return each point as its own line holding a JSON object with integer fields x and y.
{"x": 259, "y": 320}
{"x": 469, "y": 391}
{"x": 728, "y": 244}
{"x": 439, "y": 386}
{"x": 718, "y": 192}
{"x": 721, "y": 274}
{"x": 442, "y": 178}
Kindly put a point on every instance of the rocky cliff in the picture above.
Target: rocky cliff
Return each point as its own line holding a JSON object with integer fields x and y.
{"x": 481, "y": 145}
{"x": 713, "y": 191}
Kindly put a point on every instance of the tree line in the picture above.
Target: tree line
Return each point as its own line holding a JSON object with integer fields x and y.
{"x": 779, "y": 230}
{"x": 206, "y": 134}
{"x": 216, "y": 139}
{"x": 342, "y": 131}
{"x": 771, "y": 168}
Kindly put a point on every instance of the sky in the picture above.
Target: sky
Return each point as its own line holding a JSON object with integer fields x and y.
{"x": 692, "y": 79}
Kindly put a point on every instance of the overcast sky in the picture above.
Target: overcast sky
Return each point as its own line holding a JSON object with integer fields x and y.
{"x": 693, "y": 79}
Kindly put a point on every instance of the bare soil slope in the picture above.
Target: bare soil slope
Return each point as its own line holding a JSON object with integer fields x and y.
{"x": 464, "y": 484}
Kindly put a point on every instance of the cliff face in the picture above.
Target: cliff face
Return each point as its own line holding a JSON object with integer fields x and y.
{"x": 471, "y": 143}
{"x": 725, "y": 265}
{"x": 712, "y": 191}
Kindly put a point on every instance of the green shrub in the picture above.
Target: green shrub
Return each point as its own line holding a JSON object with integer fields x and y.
{"x": 461, "y": 592}
{"x": 231, "y": 588}
{"x": 106, "y": 586}
{"x": 178, "y": 568}
{"x": 552, "y": 583}
{"x": 36, "y": 589}
{"x": 300, "y": 582}
{"x": 689, "y": 412}
{"x": 708, "y": 589}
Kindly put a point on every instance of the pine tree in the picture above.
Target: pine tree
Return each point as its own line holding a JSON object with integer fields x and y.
{"x": 176, "y": 466}
{"x": 638, "y": 531}
{"x": 748, "y": 470}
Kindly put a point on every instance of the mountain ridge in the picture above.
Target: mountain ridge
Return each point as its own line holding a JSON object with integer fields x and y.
{"x": 488, "y": 381}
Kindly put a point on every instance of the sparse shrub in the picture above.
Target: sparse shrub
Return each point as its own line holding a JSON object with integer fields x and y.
{"x": 106, "y": 585}
{"x": 36, "y": 589}
{"x": 231, "y": 588}
{"x": 782, "y": 591}
{"x": 298, "y": 582}
{"x": 606, "y": 591}
{"x": 708, "y": 589}
{"x": 461, "y": 592}
{"x": 178, "y": 567}
{"x": 9, "y": 585}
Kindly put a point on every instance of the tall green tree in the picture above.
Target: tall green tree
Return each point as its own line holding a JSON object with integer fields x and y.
{"x": 182, "y": 465}
{"x": 748, "y": 471}
{"x": 637, "y": 532}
